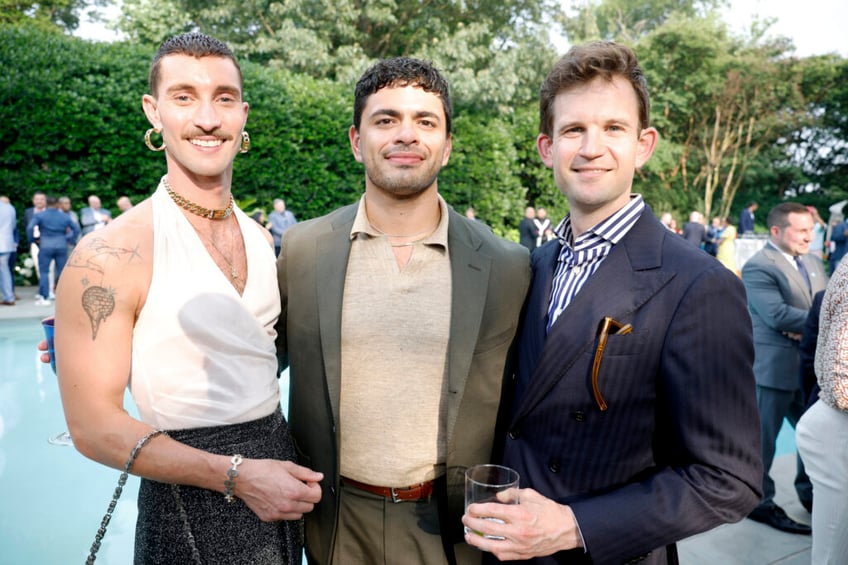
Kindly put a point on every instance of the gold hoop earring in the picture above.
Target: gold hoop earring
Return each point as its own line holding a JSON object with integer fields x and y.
{"x": 149, "y": 143}
{"x": 245, "y": 142}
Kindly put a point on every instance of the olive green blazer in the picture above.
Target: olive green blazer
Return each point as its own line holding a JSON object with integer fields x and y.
{"x": 490, "y": 277}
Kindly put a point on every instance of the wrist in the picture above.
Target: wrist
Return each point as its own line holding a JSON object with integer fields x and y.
{"x": 572, "y": 534}
{"x": 232, "y": 475}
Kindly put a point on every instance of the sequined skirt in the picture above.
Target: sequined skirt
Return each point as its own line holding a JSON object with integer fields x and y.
{"x": 223, "y": 532}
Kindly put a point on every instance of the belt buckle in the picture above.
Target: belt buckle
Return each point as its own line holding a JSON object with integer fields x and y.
{"x": 395, "y": 498}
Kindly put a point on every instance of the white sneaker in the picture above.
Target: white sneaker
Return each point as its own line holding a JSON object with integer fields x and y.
{"x": 38, "y": 297}
{"x": 42, "y": 302}
{"x": 51, "y": 297}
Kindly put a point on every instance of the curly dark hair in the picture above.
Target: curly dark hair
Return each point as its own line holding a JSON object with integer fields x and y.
{"x": 401, "y": 71}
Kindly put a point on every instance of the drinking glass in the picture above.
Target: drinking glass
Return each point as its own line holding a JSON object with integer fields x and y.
{"x": 490, "y": 483}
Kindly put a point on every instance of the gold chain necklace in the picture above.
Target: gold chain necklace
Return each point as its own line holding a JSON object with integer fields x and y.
{"x": 197, "y": 209}
{"x": 410, "y": 243}
{"x": 234, "y": 274}
{"x": 421, "y": 235}
{"x": 381, "y": 232}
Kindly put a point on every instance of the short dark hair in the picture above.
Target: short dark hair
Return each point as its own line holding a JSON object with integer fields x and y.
{"x": 582, "y": 64}
{"x": 779, "y": 215}
{"x": 401, "y": 71}
{"x": 193, "y": 44}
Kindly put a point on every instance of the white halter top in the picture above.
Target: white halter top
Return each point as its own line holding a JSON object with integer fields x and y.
{"x": 203, "y": 355}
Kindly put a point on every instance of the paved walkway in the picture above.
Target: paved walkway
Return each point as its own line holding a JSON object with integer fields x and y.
{"x": 751, "y": 543}
{"x": 25, "y": 306}
{"x": 744, "y": 543}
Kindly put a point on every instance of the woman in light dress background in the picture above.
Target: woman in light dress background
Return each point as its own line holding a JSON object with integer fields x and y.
{"x": 727, "y": 245}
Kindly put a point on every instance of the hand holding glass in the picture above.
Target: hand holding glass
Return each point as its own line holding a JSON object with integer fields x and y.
{"x": 490, "y": 483}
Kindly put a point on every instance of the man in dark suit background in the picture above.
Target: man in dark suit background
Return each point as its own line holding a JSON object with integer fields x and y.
{"x": 746, "y": 218}
{"x": 781, "y": 280}
{"x": 527, "y": 232}
{"x": 807, "y": 353}
{"x": 839, "y": 237}
{"x": 694, "y": 231}
{"x": 633, "y": 417}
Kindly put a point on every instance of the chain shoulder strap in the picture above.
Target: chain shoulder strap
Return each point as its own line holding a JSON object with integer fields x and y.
{"x": 98, "y": 538}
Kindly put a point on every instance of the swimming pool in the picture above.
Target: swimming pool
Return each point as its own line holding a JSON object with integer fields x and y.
{"x": 52, "y": 499}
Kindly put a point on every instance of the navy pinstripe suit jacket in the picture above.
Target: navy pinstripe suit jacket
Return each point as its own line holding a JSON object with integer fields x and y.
{"x": 678, "y": 450}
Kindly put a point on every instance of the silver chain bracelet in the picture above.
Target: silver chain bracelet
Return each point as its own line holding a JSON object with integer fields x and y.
{"x": 230, "y": 482}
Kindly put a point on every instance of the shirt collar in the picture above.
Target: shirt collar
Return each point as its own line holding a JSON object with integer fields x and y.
{"x": 361, "y": 225}
{"x": 611, "y": 229}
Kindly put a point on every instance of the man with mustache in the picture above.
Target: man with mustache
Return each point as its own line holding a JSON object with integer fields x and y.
{"x": 175, "y": 300}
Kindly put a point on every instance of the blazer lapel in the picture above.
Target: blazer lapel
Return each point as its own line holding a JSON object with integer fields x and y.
{"x": 818, "y": 278}
{"x": 629, "y": 276}
{"x": 332, "y": 251}
{"x": 469, "y": 288}
{"x": 532, "y": 329}
{"x": 799, "y": 285}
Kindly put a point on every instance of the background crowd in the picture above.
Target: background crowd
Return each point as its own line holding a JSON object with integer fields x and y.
{"x": 25, "y": 263}
{"x": 36, "y": 248}
{"x": 300, "y": 82}
{"x": 719, "y": 236}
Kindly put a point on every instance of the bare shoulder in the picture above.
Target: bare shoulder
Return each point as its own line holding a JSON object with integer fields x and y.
{"x": 110, "y": 269}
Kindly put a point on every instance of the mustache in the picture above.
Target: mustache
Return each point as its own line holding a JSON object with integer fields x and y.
{"x": 220, "y": 134}
{"x": 411, "y": 149}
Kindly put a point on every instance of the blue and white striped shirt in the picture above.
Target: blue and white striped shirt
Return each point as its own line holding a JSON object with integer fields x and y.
{"x": 578, "y": 261}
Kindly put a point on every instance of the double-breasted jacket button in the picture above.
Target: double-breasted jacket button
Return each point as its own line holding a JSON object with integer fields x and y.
{"x": 578, "y": 416}
{"x": 553, "y": 466}
{"x": 514, "y": 433}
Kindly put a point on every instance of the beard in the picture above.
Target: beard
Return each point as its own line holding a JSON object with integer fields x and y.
{"x": 403, "y": 182}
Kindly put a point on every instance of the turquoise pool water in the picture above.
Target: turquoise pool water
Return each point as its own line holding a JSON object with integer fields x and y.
{"x": 52, "y": 498}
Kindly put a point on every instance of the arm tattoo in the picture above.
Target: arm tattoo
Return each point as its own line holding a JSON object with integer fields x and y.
{"x": 98, "y": 302}
{"x": 94, "y": 255}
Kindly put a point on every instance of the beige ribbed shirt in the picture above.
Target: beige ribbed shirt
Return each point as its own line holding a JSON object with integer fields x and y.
{"x": 395, "y": 330}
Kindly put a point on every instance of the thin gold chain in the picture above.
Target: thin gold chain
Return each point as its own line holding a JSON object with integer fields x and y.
{"x": 410, "y": 243}
{"x": 421, "y": 235}
{"x": 234, "y": 274}
{"x": 197, "y": 209}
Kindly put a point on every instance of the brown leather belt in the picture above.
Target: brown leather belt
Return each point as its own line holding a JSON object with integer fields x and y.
{"x": 396, "y": 494}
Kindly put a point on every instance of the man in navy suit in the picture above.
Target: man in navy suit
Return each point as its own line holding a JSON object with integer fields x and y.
{"x": 746, "y": 218}
{"x": 633, "y": 419}
{"x": 781, "y": 280}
